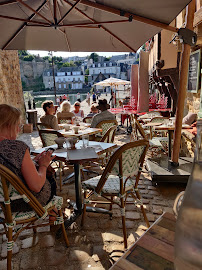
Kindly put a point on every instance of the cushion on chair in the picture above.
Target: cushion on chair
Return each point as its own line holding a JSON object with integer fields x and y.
{"x": 112, "y": 184}
{"x": 56, "y": 201}
{"x": 189, "y": 118}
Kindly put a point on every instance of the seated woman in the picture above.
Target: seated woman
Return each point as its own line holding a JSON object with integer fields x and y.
{"x": 93, "y": 110}
{"x": 65, "y": 111}
{"x": 77, "y": 111}
{"x": 15, "y": 155}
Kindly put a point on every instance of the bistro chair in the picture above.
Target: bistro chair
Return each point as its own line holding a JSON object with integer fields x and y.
{"x": 138, "y": 133}
{"x": 107, "y": 138}
{"x": 42, "y": 126}
{"x": 119, "y": 180}
{"x": 12, "y": 188}
{"x": 87, "y": 119}
{"x": 48, "y": 138}
{"x": 64, "y": 119}
{"x": 105, "y": 125}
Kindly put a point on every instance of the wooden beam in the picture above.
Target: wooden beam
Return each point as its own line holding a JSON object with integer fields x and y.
{"x": 24, "y": 24}
{"x": 8, "y": 2}
{"x": 104, "y": 28}
{"x": 33, "y": 10}
{"x": 54, "y": 11}
{"x": 182, "y": 86}
{"x": 129, "y": 15}
{"x": 72, "y": 7}
{"x": 92, "y": 23}
{"x": 24, "y": 20}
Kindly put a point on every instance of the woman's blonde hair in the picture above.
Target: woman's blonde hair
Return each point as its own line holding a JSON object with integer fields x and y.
{"x": 65, "y": 106}
{"x": 9, "y": 116}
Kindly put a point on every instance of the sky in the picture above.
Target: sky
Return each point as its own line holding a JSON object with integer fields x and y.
{"x": 69, "y": 54}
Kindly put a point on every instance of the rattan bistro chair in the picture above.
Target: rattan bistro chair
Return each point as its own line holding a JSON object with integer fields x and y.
{"x": 105, "y": 125}
{"x": 12, "y": 188}
{"x": 48, "y": 137}
{"x": 87, "y": 119}
{"x": 119, "y": 180}
{"x": 42, "y": 126}
{"x": 64, "y": 119}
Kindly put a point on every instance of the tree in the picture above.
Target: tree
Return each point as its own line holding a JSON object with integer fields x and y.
{"x": 69, "y": 64}
{"x": 22, "y": 53}
{"x": 94, "y": 56}
{"x": 77, "y": 63}
{"x": 107, "y": 58}
{"x": 28, "y": 57}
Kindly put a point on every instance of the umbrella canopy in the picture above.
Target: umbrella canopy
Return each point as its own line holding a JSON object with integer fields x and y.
{"x": 84, "y": 25}
{"x": 112, "y": 82}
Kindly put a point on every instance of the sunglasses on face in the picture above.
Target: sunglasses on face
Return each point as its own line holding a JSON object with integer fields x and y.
{"x": 77, "y": 105}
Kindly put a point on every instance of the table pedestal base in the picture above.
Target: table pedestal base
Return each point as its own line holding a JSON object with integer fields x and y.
{"x": 162, "y": 170}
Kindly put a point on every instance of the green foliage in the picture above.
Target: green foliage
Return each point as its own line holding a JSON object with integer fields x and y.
{"x": 69, "y": 64}
{"x": 47, "y": 58}
{"x": 107, "y": 58}
{"x": 22, "y": 53}
{"x": 94, "y": 56}
{"x": 37, "y": 85}
{"x": 86, "y": 79}
{"x": 77, "y": 63}
{"x": 87, "y": 71}
{"x": 28, "y": 57}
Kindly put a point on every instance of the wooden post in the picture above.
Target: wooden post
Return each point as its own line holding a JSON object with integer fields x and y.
{"x": 182, "y": 86}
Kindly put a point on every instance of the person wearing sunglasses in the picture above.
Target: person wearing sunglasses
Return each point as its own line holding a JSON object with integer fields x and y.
{"x": 77, "y": 111}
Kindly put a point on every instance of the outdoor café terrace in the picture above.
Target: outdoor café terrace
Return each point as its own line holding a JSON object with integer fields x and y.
{"x": 98, "y": 244}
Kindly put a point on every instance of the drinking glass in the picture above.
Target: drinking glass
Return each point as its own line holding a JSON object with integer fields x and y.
{"x": 85, "y": 139}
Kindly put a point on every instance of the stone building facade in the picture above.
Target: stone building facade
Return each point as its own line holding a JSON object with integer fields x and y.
{"x": 10, "y": 82}
{"x": 32, "y": 69}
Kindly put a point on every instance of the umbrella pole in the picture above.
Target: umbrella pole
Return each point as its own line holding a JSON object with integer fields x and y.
{"x": 182, "y": 87}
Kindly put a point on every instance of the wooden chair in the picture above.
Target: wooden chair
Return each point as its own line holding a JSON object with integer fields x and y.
{"x": 42, "y": 126}
{"x": 87, "y": 119}
{"x": 48, "y": 136}
{"x": 64, "y": 120}
{"x": 12, "y": 188}
{"x": 106, "y": 124}
{"x": 109, "y": 135}
{"x": 155, "y": 144}
{"x": 119, "y": 180}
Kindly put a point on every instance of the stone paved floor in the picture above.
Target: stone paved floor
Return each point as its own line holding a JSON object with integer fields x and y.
{"x": 99, "y": 243}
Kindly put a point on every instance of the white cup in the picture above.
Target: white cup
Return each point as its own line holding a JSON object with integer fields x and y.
{"x": 85, "y": 139}
{"x": 76, "y": 129}
{"x": 67, "y": 127}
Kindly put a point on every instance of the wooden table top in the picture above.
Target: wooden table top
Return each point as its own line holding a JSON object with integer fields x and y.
{"x": 81, "y": 132}
{"x": 154, "y": 250}
{"x": 152, "y": 124}
{"x": 99, "y": 148}
{"x": 165, "y": 127}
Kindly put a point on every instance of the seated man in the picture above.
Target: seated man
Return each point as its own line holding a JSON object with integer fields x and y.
{"x": 103, "y": 115}
{"x": 49, "y": 118}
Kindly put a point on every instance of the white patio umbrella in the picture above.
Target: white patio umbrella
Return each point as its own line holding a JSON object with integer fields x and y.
{"x": 112, "y": 82}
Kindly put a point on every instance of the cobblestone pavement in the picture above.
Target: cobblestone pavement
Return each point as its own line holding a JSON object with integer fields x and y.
{"x": 99, "y": 243}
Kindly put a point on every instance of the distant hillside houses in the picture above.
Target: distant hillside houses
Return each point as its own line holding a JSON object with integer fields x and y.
{"x": 74, "y": 77}
{"x": 65, "y": 78}
{"x": 118, "y": 69}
